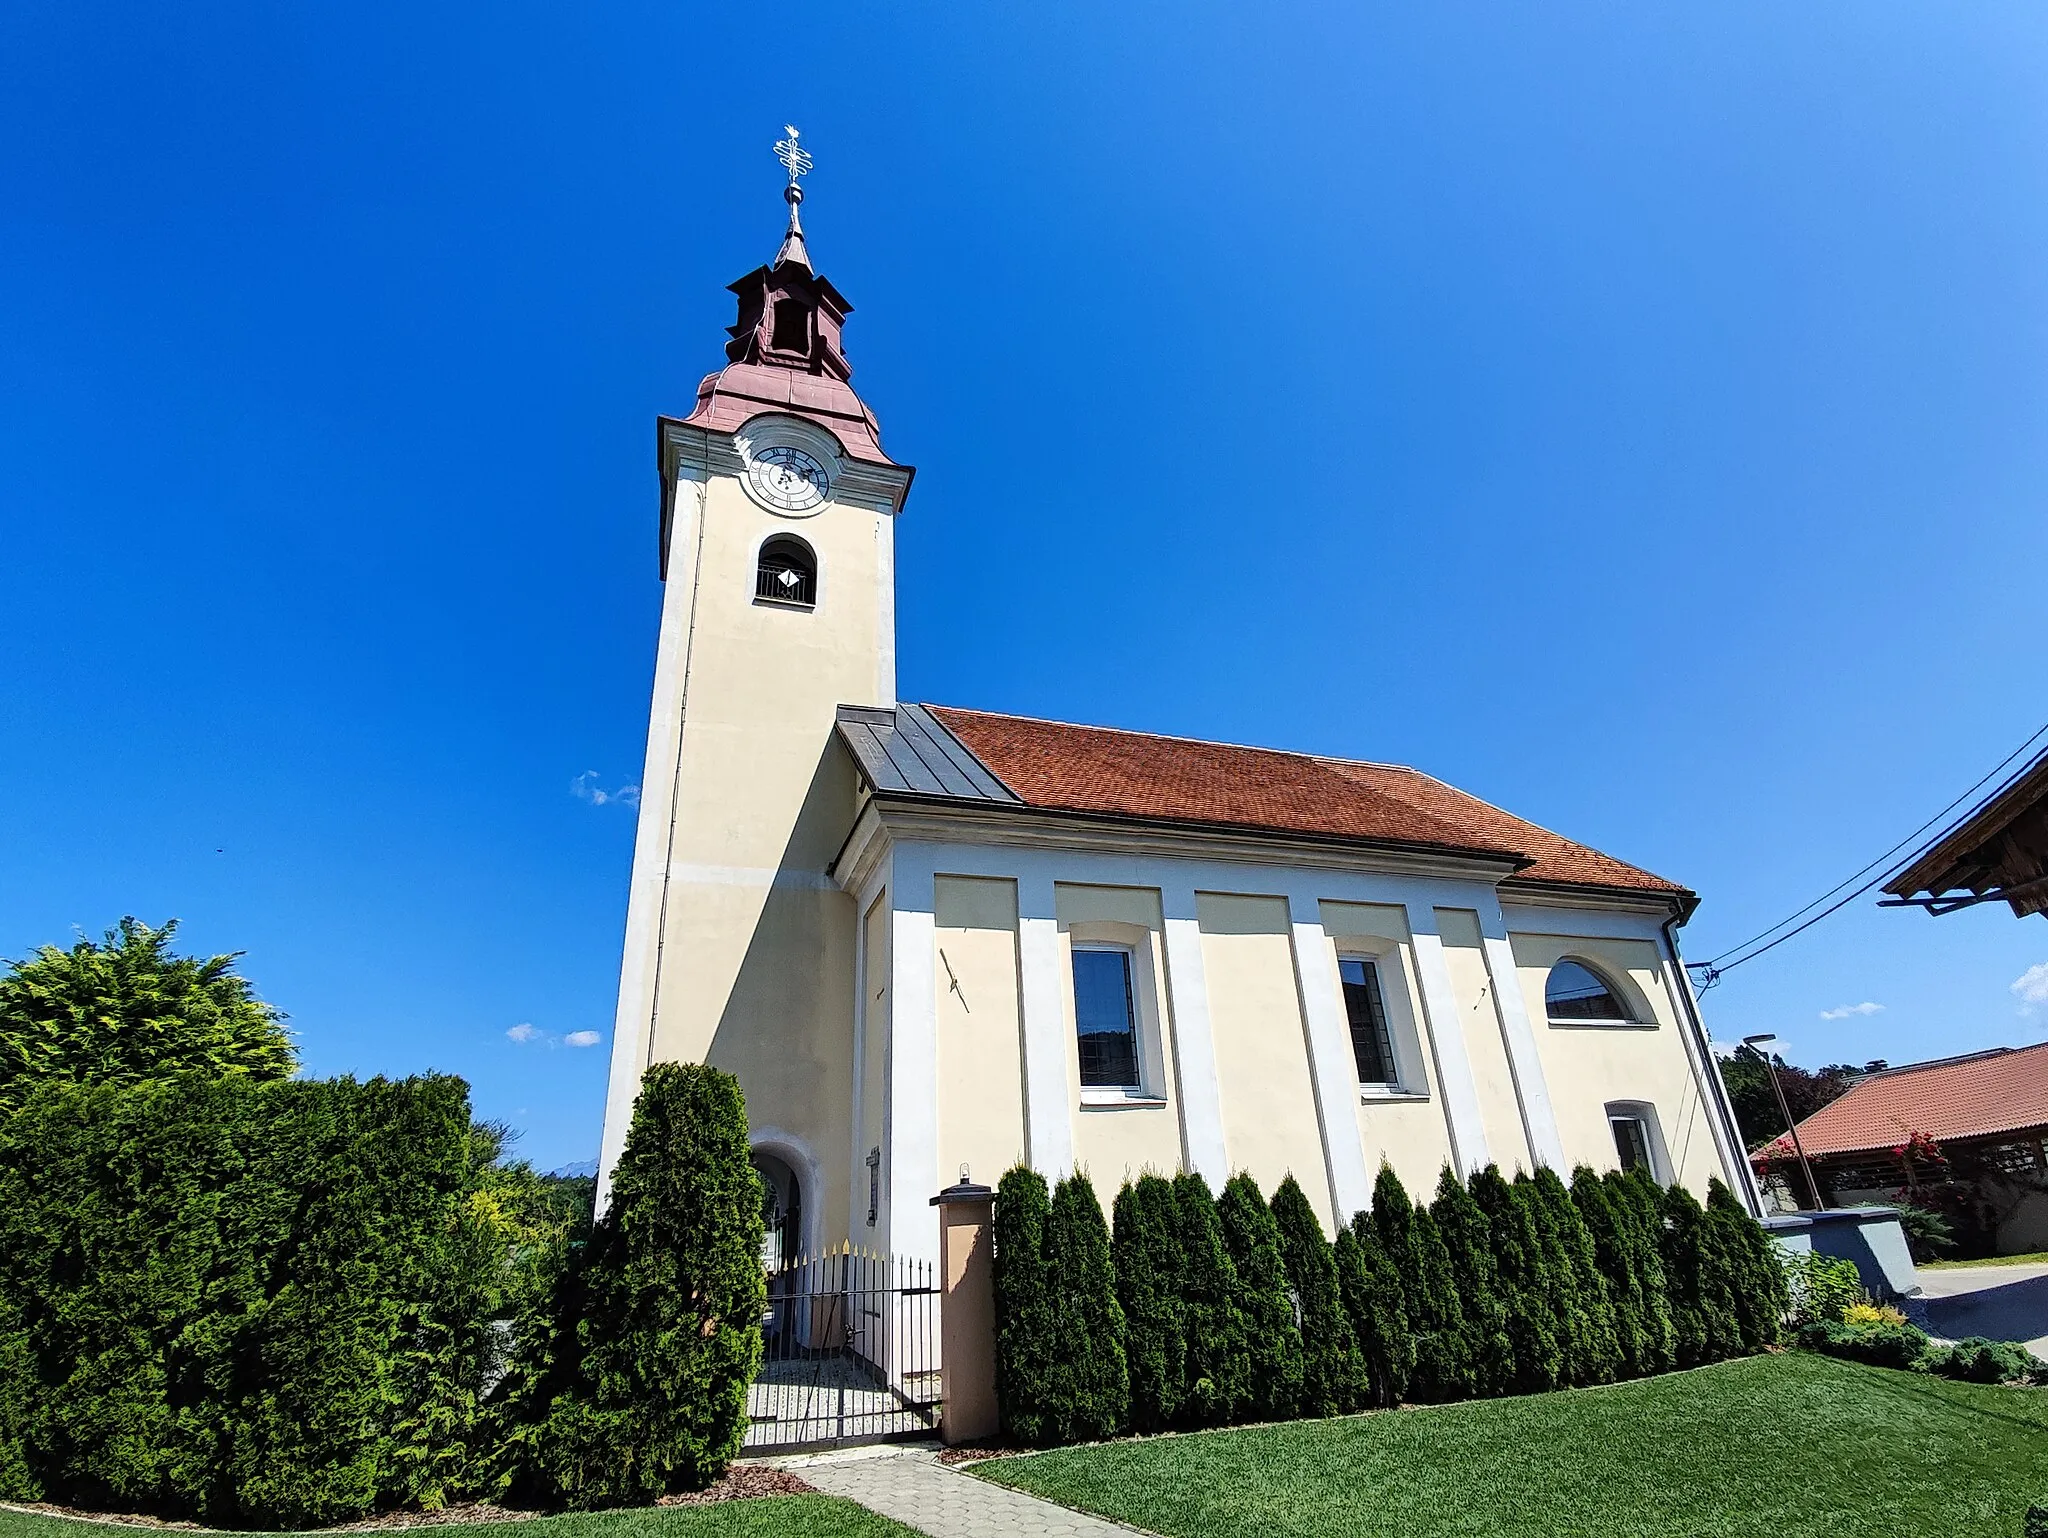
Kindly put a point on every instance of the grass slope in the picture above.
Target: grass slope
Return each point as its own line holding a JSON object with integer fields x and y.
{"x": 1791, "y": 1446}
{"x": 776, "y": 1516}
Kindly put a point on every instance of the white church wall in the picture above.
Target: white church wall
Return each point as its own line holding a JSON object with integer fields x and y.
{"x": 1479, "y": 1024}
{"x": 981, "y": 1078}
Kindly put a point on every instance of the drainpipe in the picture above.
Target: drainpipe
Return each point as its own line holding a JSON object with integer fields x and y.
{"x": 1716, "y": 1091}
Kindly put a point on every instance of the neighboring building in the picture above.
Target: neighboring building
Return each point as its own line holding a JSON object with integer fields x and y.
{"x": 929, "y": 939}
{"x": 1962, "y": 1135}
{"x": 1997, "y": 853}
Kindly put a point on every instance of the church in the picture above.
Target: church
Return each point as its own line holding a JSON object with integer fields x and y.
{"x": 933, "y": 941}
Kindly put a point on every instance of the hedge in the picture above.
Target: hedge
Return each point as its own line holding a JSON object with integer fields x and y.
{"x": 639, "y": 1387}
{"x": 1501, "y": 1285}
{"x": 247, "y": 1303}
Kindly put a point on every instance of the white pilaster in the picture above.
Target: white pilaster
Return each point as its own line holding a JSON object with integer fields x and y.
{"x": 1194, "y": 1040}
{"x": 1454, "y": 1078}
{"x": 1330, "y": 1062}
{"x": 1532, "y": 1091}
{"x": 1048, "y": 1114}
{"x": 911, "y": 1150}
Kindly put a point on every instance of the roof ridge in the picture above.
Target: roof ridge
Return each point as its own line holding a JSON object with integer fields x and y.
{"x": 1200, "y": 742}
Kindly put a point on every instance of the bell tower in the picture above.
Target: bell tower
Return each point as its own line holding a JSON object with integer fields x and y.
{"x": 777, "y": 554}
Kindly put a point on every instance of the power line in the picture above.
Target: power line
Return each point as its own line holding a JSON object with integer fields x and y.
{"x": 1713, "y": 969}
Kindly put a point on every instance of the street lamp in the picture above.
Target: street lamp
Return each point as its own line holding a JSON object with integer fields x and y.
{"x": 1791, "y": 1126}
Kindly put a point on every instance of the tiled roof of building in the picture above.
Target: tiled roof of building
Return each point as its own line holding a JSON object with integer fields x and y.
{"x": 1055, "y": 766}
{"x": 1959, "y": 1097}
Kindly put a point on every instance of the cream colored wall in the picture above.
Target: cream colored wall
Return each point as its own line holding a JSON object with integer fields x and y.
{"x": 1410, "y": 1132}
{"x": 1507, "y": 1141}
{"x": 1270, "y": 1127}
{"x": 1118, "y": 1143}
{"x": 1589, "y": 1066}
{"x": 874, "y": 1071}
{"x": 981, "y": 1081}
{"x": 756, "y": 961}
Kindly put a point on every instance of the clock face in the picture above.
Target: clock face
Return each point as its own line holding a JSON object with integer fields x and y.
{"x": 788, "y": 479}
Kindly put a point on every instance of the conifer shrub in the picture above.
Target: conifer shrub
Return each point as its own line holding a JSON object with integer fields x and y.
{"x": 1611, "y": 1242}
{"x": 1149, "y": 1267}
{"x": 1468, "y": 1239}
{"x": 1371, "y": 1291}
{"x": 249, "y": 1303}
{"x": 641, "y": 1387}
{"x": 2037, "y": 1520}
{"x": 1333, "y": 1371}
{"x": 1026, "y": 1327}
{"x": 1216, "y": 1377}
{"x": 1265, "y": 1302}
{"x": 1697, "y": 1277}
{"x": 1638, "y": 1204}
{"x": 1594, "y": 1355}
{"x": 1090, "y": 1384}
{"x": 1756, "y": 1280}
{"x": 1415, "y": 1251}
{"x": 1527, "y": 1292}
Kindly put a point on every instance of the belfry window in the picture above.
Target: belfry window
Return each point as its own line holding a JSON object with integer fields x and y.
{"x": 1577, "y": 995}
{"x": 787, "y": 573}
{"x": 792, "y": 331}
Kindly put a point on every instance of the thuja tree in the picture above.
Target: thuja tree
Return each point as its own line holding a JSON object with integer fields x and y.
{"x": 1272, "y": 1336}
{"x": 1610, "y": 1245}
{"x": 1702, "y": 1308}
{"x": 1216, "y": 1375}
{"x": 1026, "y": 1329}
{"x": 1333, "y": 1374}
{"x": 1638, "y": 1206}
{"x": 643, "y": 1389}
{"x": 1090, "y": 1394}
{"x": 1756, "y": 1280}
{"x": 1371, "y": 1290}
{"x": 1527, "y": 1296}
{"x": 1421, "y": 1265}
{"x": 1469, "y": 1240}
{"x": 1586, "y": 1317}
{"x": 1149, "y": 1267}
{"x": 127, "y": 1010}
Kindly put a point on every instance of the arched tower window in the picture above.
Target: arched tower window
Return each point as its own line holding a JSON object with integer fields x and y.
{"x": 1577, "y": 995}
{"x": 787, "y": 573}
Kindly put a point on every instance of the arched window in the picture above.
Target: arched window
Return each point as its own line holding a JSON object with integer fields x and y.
{"x": 1577, "y": 995}
{"x": 788, "y": 573}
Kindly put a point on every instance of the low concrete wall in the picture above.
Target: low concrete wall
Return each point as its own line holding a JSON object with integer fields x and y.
{"x": 1869, "y": 1236}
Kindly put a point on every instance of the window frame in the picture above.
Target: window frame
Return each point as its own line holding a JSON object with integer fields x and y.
{"x": 1149, "y": 1050}
{"x": 1395, "y": 1083}
{"x": 1633, "y": 1018}
{"x": 762, "y": 555}
{"x": 1644, "y": 1114}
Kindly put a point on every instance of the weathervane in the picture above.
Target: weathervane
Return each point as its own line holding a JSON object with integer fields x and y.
{"x": 796, "y": 160}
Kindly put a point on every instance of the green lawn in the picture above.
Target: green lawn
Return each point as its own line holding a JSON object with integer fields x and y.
{"x": 775, "y": 1516}
{"x": 2031, "y": 1258}
{"x": 1789, "y": 1446}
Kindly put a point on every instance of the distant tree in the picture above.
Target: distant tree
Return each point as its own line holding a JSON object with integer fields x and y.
{"x": 126, "y": 1010}
{"x": 1806, "y": 1091}
{"x": 1272, "y": 1333}
{"x": 1333, "y": 1375}
{"x": 1216, "y": 1378}
{"x": 1149, "y": 1267}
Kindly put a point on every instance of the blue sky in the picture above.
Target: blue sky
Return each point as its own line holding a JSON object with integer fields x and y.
{"x": 1633, "y": 415}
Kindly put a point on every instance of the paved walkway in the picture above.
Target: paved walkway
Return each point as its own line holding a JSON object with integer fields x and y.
{"x": 2001, "y": 1302}
{"x": 917, "y": 1490}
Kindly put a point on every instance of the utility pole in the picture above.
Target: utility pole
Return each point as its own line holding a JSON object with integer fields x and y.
{"x": 1820, "y": 1200}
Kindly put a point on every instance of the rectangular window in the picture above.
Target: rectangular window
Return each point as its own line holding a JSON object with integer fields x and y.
{"x": 1104, "y": 1018}
{"x": 1631, "y": 1142}
{"x": 1367, "y": 1012}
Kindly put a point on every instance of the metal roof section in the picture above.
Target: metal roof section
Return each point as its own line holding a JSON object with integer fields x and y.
{"x": 905, "y": 751}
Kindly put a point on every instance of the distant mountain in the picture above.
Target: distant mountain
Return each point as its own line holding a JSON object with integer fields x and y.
{"x": 582, "y": 1169}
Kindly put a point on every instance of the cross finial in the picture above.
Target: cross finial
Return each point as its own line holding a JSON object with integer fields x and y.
{"x": 796, "y": 160}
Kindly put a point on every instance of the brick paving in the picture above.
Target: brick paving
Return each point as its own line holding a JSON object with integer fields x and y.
{"x": 917, "y": 1490}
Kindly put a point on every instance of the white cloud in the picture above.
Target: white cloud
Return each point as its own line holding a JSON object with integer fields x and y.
{"x": 2031, "y": 986}
{"x": 1865, "y": 1008}
{"x": 582, "y": 1039}
{"x": 585, "y": 788}
{"x": 523, "y": 1032}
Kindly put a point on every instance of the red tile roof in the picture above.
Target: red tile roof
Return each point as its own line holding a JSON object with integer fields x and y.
{"x": 1962, "y": 1097}
{"x": 1135, "y": 774}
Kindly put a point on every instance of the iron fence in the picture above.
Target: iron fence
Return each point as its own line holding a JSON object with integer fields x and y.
{"x": 849, "y": 1353}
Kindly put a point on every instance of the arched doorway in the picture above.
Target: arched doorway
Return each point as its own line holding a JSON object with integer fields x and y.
{"x": 782, "y": 1211}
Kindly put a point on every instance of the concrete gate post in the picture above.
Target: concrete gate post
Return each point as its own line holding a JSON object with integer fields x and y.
{"x": 967, "y": 1311}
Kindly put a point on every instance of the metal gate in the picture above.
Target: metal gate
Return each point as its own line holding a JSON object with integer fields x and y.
{"x": 849, "y": 1353}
